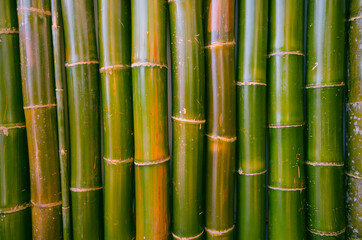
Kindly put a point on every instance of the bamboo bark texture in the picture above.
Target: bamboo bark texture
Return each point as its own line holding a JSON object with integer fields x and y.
{"x": 220, "y": 118}
{"x": 324, "y": 89}
{"x": 149, "y": 77}
{"x": 40, "y": 115}
{"x": 15, "y": 214}
{"x": 62, "y": 116}
{"x": 286, "y": 120}
{"x": 118, "y": 148}
{"x": 354, "y": 123}
{"x": 251, "y": 118}
{"x": 84, "y": 118}
{"x": 188, "y": 116}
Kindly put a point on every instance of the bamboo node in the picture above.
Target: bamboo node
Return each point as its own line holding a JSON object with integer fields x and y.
{"x": 353, "y": 175}
{"x": 9, "y": 31}
{"x": 40, "y": 106}
{"x": 81, "y": 63}
{"x": 326, "y": 164}
{"x": 15, "y": 209}
{"x": 5, "y": 130}
{"x": 59, "y": 89}
{"x": 116, "y": 162}
{"x": 286, "y": 126}
{"x": 240, "y": 171}
{"x": 85, "y": 189}
{"x": 225, "y": 139}
{"x": 285, "y": 53}
{"x": 219, "y": 233}
{"x": 188, "y": 238}
{"x": 354, "y": 18}
{"x": 220, "y": 44}
{"x": 36, "y": 10}
{"x": 110, "y": 69}
{"x": 250, "y": 83}
{"x": 287, "y": 189}
{"x": 325, "y": 85}
{"x": 148, "y": 64}
{"x": 316, "y": 232}
{"x": 188, "y": 120}
{"x": 46, "y": 205}
{"x": 138, "y": 163}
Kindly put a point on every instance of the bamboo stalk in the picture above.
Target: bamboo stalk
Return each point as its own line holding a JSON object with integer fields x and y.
{"x": 220, "y": 118}
{"x": 286, "y": 120}
{"x": 116, "y": 82}
{"x": 251, "y": 117}
{"x": 15, "y": 211}
{"x": 149, "y": 76}
{"x": 84, "y": 119}
{"x": 354, "y": 123}
{"x": 62, "y": 114}
{"x": 324, "y": 88}
{"x": 40, "y": 115}
{"x": 188, "y": 115}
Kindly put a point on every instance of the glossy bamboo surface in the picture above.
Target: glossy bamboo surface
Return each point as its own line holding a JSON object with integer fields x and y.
{"x": 115, "y": 69}
{"x": 251, "y": 119}
{"x": 286, "y": 120}
{"x": 40, "y": 115}
{"x": 149, "y": 77}
{"x": 220, "y": 118}
{"x": 84, "y": 119}
{"x": 353, "y": 169}
{"x": 15, "y": 211}
{"x": 62, "y": 114}
{"x": 324, "y": 88}
{"x": 188, "y": 116}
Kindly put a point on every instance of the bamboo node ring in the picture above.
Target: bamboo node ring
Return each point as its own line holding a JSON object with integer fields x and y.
{"x": 353, "y": 175}
{"x": 316, "y": 232}
{"x": 250, "y": 83}
{"x": 8, "y": 31}
{"x": 5, "y": 129}
{"x": 40, "y": 106}
{"x": 46, "y": 205}
{"x": 112, "y": 68}
{"x": 219, "y": 233}
{"x": 85, "y": 189}
{"x": 220, "y": 44}
{"x": 116, "y": 161}
{"x": 325, "y": 85}
{"x": 188, "y": 120}
{"x": 148, "y": 64}
{"x": 139, "y": 163}
{"x": 225, "y": 139}
{"x": 81, "y": 63}
{"x": 240, "y": 172}
{"x": 287, "y": 189}
{"x": 326, "y": 164}
{"x": 188, "y": 238}
{"x": 35, "y": 10}
{"x": 16, "y": 208}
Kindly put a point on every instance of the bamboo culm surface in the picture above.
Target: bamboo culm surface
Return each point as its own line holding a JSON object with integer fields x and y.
{"x": 188, "y": 119}
{"x": 220, "y": 118}
{"x": 40, "y": 115}
{"x": 251, "y": 118}
{"x": 84, "y": 119}
{"x": 152, "y": 160}
{"x": 62, "y": 115}
{"x": 286, "y": 121}
{"x": 324, "y": 88}
{"x": 118, "y": 151}
{"x": 15, "y": 214}
{"x": 354, "y": 123}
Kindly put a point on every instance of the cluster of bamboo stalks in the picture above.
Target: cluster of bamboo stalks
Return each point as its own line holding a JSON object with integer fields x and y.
{"x": 259, "y": 114}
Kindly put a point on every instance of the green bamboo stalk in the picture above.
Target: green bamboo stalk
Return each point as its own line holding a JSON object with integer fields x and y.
{"x": 149, "y": 76}
{"x": 354, "y": 123}
{"x": 115, "y": 60}
{"x": 15, "y": 214}
{"x": 188, "y": 115}
{"x": 40, "y": 115}
{"x": 84, "y": 119}
{"x": 251, "y": 116}
{"x": 324, "y": 89}
{"x": 62, "y": 114}
{"x": 286, "y": 120}
{"x": 220, "y": 118}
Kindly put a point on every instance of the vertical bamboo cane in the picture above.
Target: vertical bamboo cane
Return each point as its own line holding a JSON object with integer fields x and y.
{"x": 40, "y": 115}
{"x": 149, "y": 76}
{"x": 221, "y": 119}
{"x": 84, "y": 118}
{"x": 251, "y": 110}
{"x": 15, "y": 215}
{"x": 324, "y": 88}
{"x": 354, "y": 123}
{"x": 63, "y": 128}
{"x": 286, "y": 120}
{"x": 188, "y": 115}
{"x": 115, "y": 61}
